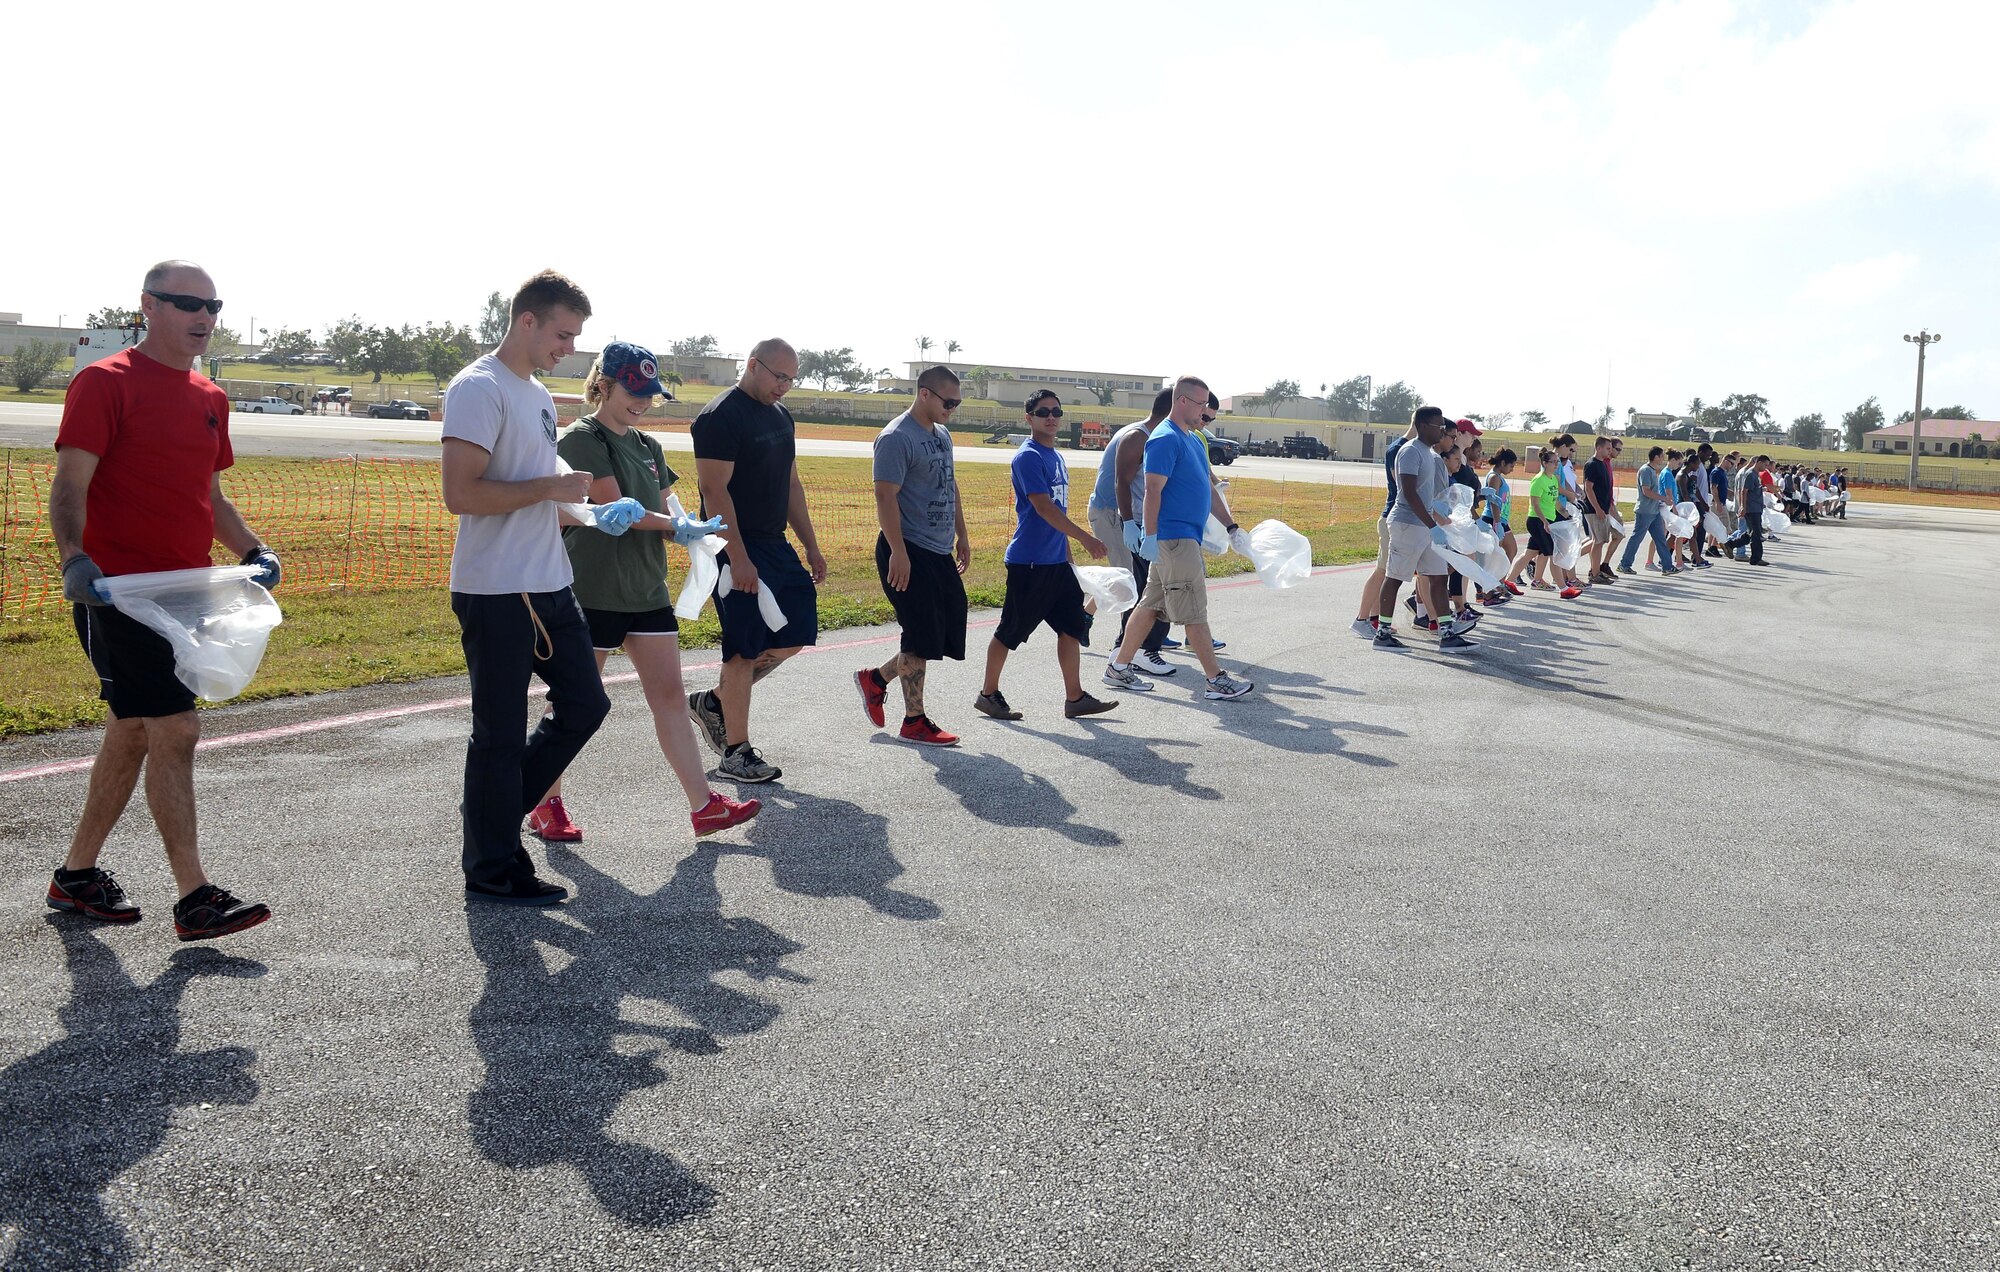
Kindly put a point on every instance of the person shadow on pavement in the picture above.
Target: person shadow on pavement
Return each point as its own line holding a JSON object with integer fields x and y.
{"x": 101, "y": 1099}
{"x": 1004, "y": 794}
{"x": 561, "y": 1056}
{"x": 829, "y": 848}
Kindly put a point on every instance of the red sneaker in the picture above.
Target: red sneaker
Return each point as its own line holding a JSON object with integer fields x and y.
{"x": 722, "y": 812}
{"x": 921, "y": 729}
{"x": 1571, "y": 592}
{"x": 1513, "y": 587}
{"x": 551, "y": 824}
{"x": 872, "y": 695}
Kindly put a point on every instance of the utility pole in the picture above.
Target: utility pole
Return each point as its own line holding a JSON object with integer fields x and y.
{"x": 1922, "y": 340}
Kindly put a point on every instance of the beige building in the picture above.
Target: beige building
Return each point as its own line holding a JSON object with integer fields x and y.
{"x": 712, "y": 369}
{"x": 1010, "y": 386}
{"x": 1974, "y": 439}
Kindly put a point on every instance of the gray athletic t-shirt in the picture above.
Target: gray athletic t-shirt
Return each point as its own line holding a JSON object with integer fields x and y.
{"x": 1419, "y": 461}
{"x": 514, "y": 421}
{"x": 919, "y": 461}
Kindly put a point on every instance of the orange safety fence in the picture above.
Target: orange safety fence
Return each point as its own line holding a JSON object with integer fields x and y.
{"x": 373, "y": 524}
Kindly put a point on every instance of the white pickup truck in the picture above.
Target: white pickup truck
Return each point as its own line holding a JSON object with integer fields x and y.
{"x": 270, "y": 406}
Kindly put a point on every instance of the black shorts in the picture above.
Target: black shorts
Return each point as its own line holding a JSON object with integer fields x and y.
{"x": 609, "y": 628}
{"x": 1038, "y": 594}
{"x": 744, "y": 632}
{"x": 135, "y": 664}
{"x": 932, "y": 609}
{"x": 1539, "y": 539}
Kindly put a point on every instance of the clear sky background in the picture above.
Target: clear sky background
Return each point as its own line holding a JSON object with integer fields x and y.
{"x": 1492, "y": 202}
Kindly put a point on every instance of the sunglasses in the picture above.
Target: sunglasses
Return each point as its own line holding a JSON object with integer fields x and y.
{"x": 1206, "y": 418}
{"x": 187, "y": 304}
{"x": 1047, "y": 412}
{"x": 949, "y": 404}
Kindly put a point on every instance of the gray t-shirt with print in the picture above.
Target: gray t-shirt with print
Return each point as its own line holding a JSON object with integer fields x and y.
{"x": 919, "y": 461}
{"x": 513, "y": 420}
{"x": 1419, "y": 461}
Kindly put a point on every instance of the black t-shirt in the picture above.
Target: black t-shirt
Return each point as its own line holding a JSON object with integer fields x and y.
{"x": 761, "y": 441}
{"x": 1389, "y": 463}
{"x": 1598, "y": 473}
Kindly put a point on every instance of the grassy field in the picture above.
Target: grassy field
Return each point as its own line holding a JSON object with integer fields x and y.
{"x": 335, "y": 637}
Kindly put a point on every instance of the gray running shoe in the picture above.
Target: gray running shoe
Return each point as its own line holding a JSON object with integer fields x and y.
{"x": 707, "y": 715}
{"x": 1455, "y": 645}
{"x": 1363, "y": 628}
{"x": 1151, "y": 663}
{"x": 1087, "y": 706}
{"x": 745, "y": 765}
{"x": 1126, "y": 678}
{"x": 1225, "y": 687}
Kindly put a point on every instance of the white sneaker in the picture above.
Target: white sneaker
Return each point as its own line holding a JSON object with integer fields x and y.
{"x": 1125, "y": 678}
{"x": 1457, "y": 627}
{"x": 1151, "y": 663}
{"x": 1363, "y": 628}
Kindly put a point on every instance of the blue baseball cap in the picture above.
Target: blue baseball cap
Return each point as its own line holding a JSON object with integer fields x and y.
{"x": 635, "y": 369}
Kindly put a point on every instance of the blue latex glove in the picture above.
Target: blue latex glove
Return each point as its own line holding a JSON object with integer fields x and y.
{"x": 1149, "y": 547}
{"x": 1439, "y": 538}
{"x": 1134, "y": 532}
{"x": 267, "y": 562}
{"x": 616, "y": 517}
{"x": 687, "y": 530}
{"x": 79, "y": 577}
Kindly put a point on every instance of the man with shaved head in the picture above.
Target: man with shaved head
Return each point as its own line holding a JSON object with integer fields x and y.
{"x": 138, "y": 489}
{"x": 746, "y": 459}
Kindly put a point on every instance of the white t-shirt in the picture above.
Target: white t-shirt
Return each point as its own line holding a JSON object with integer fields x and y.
{"x": 514, "y": 420}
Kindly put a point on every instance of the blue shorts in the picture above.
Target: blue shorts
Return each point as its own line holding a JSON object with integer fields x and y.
{"x": 745, "y": 634}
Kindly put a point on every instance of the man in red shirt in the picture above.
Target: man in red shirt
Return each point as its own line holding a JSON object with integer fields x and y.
{"x": 143, "y": 442}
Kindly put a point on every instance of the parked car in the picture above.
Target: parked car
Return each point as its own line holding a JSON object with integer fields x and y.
{"x": 401, "y": 409}
{"x": 1307, "y": 446}
{"x": 269, "y": 406}
{"x": 1221, "y": 450}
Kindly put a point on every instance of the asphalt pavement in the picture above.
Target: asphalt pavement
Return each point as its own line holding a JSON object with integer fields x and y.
{"x": 1658, "y": 933}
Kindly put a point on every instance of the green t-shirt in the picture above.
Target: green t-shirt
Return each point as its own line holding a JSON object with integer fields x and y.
{"x": 1542, "y": 493}
{"x": 626, "y": 573}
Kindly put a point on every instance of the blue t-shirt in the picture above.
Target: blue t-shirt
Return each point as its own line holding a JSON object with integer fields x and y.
{"x": 1038, "y": 470}
{"x": 1389, "y": 465}
{"x": 1182, "y": 458}
{"x": 1670, "y": 489}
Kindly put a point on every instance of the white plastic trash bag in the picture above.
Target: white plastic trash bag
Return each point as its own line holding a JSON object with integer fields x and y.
{"x": 217, "y": 620}
{"x": 1496, "y": 563}
{"x": 579, "y": 512}
{"x": 767, "y": 601}
{"x": 1113, "y": 587}
{"x": 1678, "y": 521}
{"x": 1713, "y": 524}
{"x": 1215, "y": 537}
{"x": 1482, "y": 578}
{"x": 1568, "y": 537}
{"x": 1776, "y": 522}
{"x": 1283, "y": 556}
{"x": 1468, "y": 536}
{"x": 702, "y": 570}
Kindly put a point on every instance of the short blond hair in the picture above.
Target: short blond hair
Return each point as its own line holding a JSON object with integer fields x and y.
{"x": 594, "y": 383}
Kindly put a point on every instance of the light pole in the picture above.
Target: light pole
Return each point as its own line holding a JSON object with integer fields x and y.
{"x": 1922, "y": 340}
{"x": 1368, "y": 397}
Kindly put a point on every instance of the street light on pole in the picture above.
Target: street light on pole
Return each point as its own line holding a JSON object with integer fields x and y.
{"x": 1922, "y": 340}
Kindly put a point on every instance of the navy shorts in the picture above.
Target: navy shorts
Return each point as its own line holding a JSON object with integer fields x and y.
{"x": 744, "y": 632}
{"x": 609, "y": 628}
{"x": 134, "y": 664}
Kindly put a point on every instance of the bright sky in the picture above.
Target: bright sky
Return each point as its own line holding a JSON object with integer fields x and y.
{"x": 1492, "y": 202}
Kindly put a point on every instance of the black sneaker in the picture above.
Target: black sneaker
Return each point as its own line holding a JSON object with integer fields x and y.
{"x": 93, "y": 893}
{"x": 996, "y": 705}
{"x": 209, "y": 912}
{"x": 520, "y": 889}
{"x": 706, "y": 712}
{"x": 1456, "y": 645}
{"x": 1385, "y": 637}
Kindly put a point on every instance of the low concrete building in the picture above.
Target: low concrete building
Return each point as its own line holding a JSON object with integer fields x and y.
{"x": 708, "y": 369}
{"x": 14, "y": 333}
{"x": 1062, "y": 381}
{"x": 1305, "y": 408}
{"x": 1975, "y": 439}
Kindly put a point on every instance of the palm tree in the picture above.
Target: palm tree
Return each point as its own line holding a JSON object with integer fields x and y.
{"x": 923, "y": 347}
{"x": 951, "y": 348}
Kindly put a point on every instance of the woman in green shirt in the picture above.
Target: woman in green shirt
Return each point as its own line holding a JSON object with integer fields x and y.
{"x": 621, "y": 581}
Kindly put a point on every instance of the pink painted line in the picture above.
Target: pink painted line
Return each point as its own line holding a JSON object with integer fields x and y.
{"x": 57, "y": 768}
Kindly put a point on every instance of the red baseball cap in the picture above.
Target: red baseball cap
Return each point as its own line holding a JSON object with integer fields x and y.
{"x": 1467, "y": 426}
